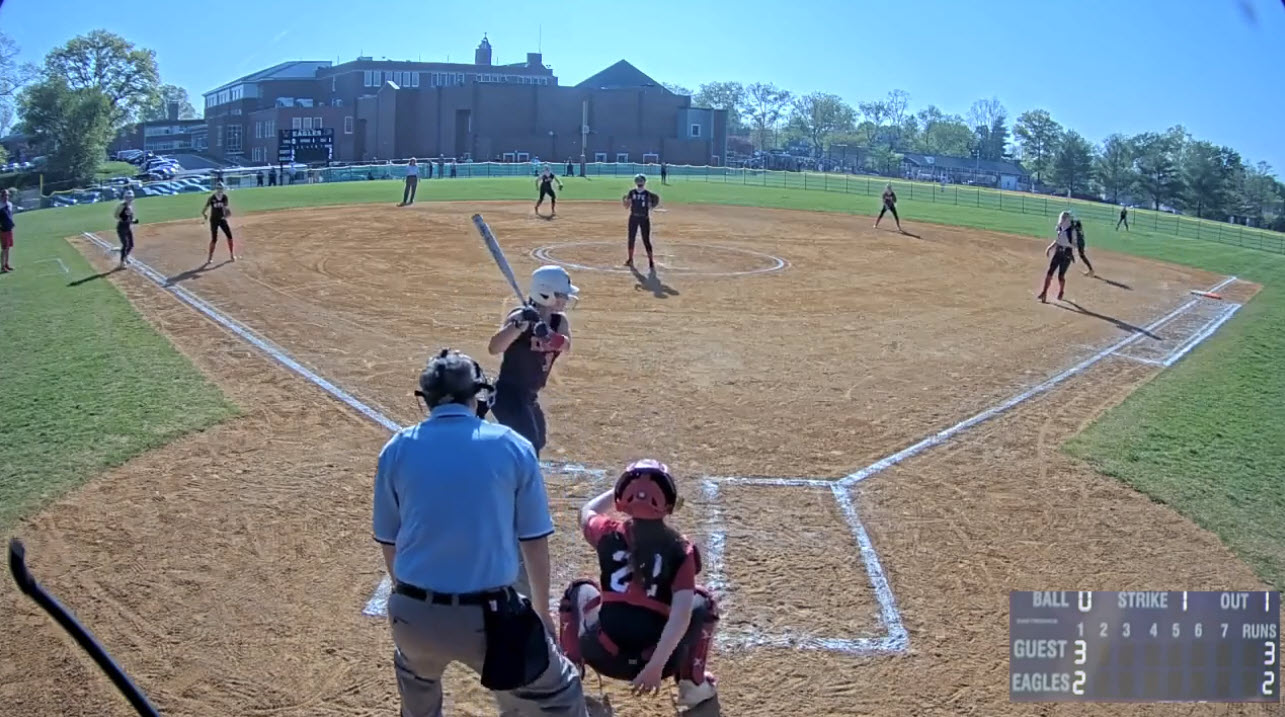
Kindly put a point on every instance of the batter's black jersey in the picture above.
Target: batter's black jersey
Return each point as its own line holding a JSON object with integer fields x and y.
{"x": 528, "y": 360}
{"x": 218, "y": 207}
{"x": 641, "y": 202}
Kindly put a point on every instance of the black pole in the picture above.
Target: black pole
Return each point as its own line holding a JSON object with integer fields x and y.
{"x": 29, "y": 587}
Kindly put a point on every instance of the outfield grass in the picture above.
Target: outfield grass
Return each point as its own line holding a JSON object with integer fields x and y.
{"x": 1203, "y": 437}
{"x": 86, "y": 383}
{"x": 108, "y": 170}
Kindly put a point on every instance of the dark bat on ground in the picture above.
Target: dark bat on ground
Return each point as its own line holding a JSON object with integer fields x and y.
{"x": 29, "y": 587}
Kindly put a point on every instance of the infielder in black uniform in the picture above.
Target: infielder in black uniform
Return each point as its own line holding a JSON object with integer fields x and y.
{"x": 125, "y": 221}
{"x": 889, "y": 205}
{"x": 1063, "y": 249}
{"x": 1078, "y": 228}
{"x": 217, "y": 210}
{"x": 546, "y": 180}
{"x": 640, "y": 201}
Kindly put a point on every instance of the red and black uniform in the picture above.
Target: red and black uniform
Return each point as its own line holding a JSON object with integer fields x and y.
{"x": 634, "y": 609}
{"x": 641, "y": 202}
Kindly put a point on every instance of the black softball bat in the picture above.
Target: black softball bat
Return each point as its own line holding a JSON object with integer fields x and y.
{"x": 29, "y": 587}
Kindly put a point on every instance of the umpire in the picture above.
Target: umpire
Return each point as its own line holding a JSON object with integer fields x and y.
{"x": 455, "y": 495}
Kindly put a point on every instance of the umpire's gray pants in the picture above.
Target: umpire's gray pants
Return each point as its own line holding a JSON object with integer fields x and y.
{"x": 430, "y": 637}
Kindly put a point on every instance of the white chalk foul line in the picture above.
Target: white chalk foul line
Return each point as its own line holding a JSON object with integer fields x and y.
{"x": 1201, "y": 335}
{"x": 948, "y": 433}
{"x": 284, "y": 358}
{"x": 898, "y": 638}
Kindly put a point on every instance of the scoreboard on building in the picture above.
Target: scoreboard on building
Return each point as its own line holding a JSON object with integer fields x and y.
{"x": 1146, "y": 646}
{"x": 306, "y": 146}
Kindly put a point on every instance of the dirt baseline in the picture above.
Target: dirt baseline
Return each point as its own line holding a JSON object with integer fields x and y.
{"x": 250, "y": 551}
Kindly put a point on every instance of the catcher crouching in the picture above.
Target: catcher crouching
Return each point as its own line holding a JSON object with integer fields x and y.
{"x": 645, "y": 619}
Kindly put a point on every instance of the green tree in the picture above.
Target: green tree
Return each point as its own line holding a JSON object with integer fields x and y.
{"x": 1157, "y": 165}
{"x": 988, "y": 119}
{"x": 1038, "y": 135}
{"x": 728, "y": 96}
{"x": 1210, "y": 173}
{"x": 766, "y": 104}
{"x": 874, "y": 115}
{"x": 942, "y": 134}
{"x": 75, "y": 124}
{"x": 896, "y": 105}
{"x": 1114, "y": 168}
{"x": 127, "y": 76}
{"x": 14, "y": 75}
{"x": 1073, "y": 163}
{"x": 676, "y": 89}
{"x": 820, "y": 116}
{"x": 1258, "y": 190}
{"x": 158, "y": 108}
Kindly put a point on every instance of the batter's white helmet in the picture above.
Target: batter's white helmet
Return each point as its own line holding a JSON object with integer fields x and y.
{"x": 548, "y": 281}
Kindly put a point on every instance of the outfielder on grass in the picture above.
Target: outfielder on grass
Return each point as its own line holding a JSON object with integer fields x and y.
{"x": 645, "y": 619}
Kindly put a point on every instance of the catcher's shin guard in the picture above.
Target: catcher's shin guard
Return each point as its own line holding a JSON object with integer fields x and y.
{"x": 700, "y": 636}
{"x": 571, "y": 612}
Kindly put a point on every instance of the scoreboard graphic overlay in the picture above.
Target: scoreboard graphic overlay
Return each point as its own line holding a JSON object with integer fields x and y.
{"x": 1152, "y": 646}
{"x": 306, "y": 146}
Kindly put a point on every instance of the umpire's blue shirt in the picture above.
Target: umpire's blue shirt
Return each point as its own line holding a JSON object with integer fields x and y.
{"x": 454, "y": 494}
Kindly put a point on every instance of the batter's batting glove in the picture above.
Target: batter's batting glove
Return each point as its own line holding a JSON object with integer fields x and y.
{"x": 530, "y": 315}
{"x": 541, "y": 330}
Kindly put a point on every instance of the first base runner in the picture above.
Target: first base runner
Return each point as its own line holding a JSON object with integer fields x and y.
{"x": 645, "y": 619}
{"x": 531, "y": 338}
{"x": 1063, "y": 249}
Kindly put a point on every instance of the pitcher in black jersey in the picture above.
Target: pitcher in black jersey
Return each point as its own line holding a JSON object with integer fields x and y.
{"x": 546, "y": 181}
{"x": 125, "y": 221}
{"x": 217, "y": 210}
{"x": 532, "y": 337}
{"x": 640, "y": 201}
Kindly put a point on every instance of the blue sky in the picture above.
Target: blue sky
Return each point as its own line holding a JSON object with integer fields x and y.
{"x": 1098, "y": 66}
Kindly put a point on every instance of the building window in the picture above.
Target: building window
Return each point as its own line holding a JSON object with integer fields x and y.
{"x": 332, "y": 82}
{"x": 414, "y": 79}
{"x": 695, "y": 131}
{"x": 524, "y": 157}
{"x": 218, "y": 139}
{"x": 296, "y": 123}
{"x": 234, "y": 137}
{"x": 316, "y": 123}
{"x": 348, "y": 125}
{"x": 622, "y": 157}
{"x": 599, "y": 156}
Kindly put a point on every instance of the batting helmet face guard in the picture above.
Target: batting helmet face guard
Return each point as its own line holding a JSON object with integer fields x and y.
{"x": 646, "y": 490}
{"x": 453, "y": 377}
{"x": 551, "y": 284}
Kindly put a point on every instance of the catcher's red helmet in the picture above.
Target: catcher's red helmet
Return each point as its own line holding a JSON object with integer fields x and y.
{"x": 646, "y": 490}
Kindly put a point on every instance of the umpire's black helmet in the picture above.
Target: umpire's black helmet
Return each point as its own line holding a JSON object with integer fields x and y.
{"x": 453, "y": 377}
